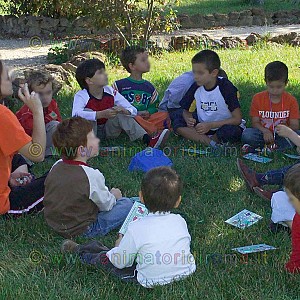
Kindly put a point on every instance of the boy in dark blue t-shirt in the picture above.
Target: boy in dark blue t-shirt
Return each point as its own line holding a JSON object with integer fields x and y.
{"x": 218, "y": 117}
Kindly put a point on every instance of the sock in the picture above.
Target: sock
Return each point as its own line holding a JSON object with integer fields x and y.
{"x": 213, "y": 144}
{"x": 146, "y": 139}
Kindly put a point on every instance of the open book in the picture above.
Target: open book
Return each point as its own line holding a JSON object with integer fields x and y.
{"x": 137, "y": 212}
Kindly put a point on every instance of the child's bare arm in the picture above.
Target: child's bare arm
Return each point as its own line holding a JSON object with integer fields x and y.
{"x": 287, "y": 132}
{"x": 294, "y": 124}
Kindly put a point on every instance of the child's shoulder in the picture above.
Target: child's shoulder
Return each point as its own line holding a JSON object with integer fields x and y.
{"x": 261, "y": 95}
{"x": 288, "y": 96}
{"x": 82, "y": 93}
{"x": 225, "y": 83}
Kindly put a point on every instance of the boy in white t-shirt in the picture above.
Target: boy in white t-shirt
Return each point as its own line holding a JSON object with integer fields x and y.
{"x": 218, "y": 118}
{"x": 155, "y": 250}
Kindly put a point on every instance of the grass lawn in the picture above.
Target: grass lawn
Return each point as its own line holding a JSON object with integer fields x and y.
{"x": 31, "y": 266}
{"x": 204, "y": 7}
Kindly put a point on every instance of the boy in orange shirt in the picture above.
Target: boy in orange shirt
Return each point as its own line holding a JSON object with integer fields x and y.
{"x": 41, "y": 82}
{"x": 270, "y": 108}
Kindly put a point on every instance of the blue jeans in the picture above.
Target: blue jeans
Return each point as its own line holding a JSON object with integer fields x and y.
{"x": 109, "y": 220}
{"x": 255, "y": 138}
{"x": 273, "y": 177}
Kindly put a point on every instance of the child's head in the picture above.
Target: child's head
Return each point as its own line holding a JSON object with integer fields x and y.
{"x": 41, "y": 82}
{"x": 135, "y": 58}
{"x": 90, "y": 73}
{"x": 292, "y": 186}
{"x": 161, "y": 189}
{"x": 276, "y": 77}
{"x": 206, "y": 65}
{"x": 5, "y": 82}
{"x": 75, "y": 138}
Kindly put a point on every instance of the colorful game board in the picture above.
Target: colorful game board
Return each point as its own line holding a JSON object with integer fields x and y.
{"x": 253, "y": 248}
{"x": 244, "y": 219}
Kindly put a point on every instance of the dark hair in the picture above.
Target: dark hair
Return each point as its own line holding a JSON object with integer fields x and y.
{"x": 208, "y": 57}
{"x": 70, "y": 134}
{"x": 37, "y": 78}
{"x": 292, "y": 180}
{"x": 161, "y": 189}
{"x": 86, "y": 69}
{"x": 128, "y": 56}
{"x": 276, "y": 70}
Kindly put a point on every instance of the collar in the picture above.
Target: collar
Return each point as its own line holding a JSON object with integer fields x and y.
{"x": 74, "y": 162}
{"x": 136, "y": 81}
{"x": 160, "y": 213}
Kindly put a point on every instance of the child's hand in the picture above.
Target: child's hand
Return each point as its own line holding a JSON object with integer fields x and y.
{"x": 284, "y": 130}
{"x": 121, "y": 110}
{"x": 31, "y": 100}
{"x": 19, "y": 179}
{"x": 109, "y": 113}
{"x": 190, "y": 122}
{"x": 144, "y": 114}
{"x": 203, "y": 128}
{"x": 117, "y": 193}
{"x": 268, "y": 137}
{"x": 118, "y": 241}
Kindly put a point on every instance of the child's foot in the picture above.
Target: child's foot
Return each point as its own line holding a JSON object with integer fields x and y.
{"x": 264, "y": 194}
{"x": 68, "y": 246}
{"x": 160, "y": 139}
{"x": 248, "y": 174}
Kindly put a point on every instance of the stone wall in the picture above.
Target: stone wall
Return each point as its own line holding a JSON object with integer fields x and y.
{"x": 28, "y": 26}
{"x": 253, "y": 17}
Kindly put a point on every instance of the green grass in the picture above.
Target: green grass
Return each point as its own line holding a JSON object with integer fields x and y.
{"x": 204, "y": 7}
{"x": 213, "y": 192}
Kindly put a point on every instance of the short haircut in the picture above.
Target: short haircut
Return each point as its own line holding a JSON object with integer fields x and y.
{"x": 37, "y": 78}
{"x": 70, "y": 134}
{"x": 128, "y": 56}
{"x": 161, "y": 189}
{"x": 86, "y": 69}
{"x": 208, "y": 57}
{"x": 292, "y": 181}
{"x": 276, "y": 70}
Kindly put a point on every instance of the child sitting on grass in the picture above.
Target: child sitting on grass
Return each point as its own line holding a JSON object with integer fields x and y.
{"x": 110, "y": 112}
{"x": 141, "y": 93}
{"x": 255, "y": 181}
{"x": 155, "y": 250}
{"x": 218, "y": 118}
{"x": 270, "y": 108}
{"x": 41, "y": 82}
{"x": 77, "y": 201}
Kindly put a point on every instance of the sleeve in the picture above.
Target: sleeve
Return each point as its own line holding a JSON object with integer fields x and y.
{"x": 230, "y": 94}
{"x": 12, "y": 134}
{"x": 293, "y": 265}
{"x": 115, "y": 86}
{"x": 294, "y": 113}
{"x": 189, "y": 97}
{"x": 124, "y": 255}
{"x": 254, "y": 109}
{"x": 152, "y": 108}
{"x": 121, "y": 101}
{"x": 99, "y": 192}
{"x": 78, "y": 110}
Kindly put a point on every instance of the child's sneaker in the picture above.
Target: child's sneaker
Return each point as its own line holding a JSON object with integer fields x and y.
{"x": 248, "y": 175}
{"x": 277, "y": 227}
{"x": 160, "y": 139}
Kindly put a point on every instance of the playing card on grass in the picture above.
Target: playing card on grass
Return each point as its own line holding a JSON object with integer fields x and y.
{"x": 243, "y": 219}
{"x": 292, "y": 156}
{"x": 257, "y": 158}
{"x": 253, "y": 248}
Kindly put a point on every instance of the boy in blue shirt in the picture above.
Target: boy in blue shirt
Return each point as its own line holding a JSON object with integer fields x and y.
{"x": 141, "y": 93}
{"x": 218, "y": 118}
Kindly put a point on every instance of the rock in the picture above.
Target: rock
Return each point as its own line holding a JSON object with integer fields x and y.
{"x": 69, "y": 67}
{"x": 221, "y": 19}
{"x": 59, "y": 73}
{"x": 245, "y": 13}
{"x": 253, "y": 38}
{"x": 257, "y": 11}
{"x": 49, "y": 23}
{"x": 245, "y": 21}
{"x": 232, "y": 42}
{"x": 284, "y": 38}
{"x": 197, "y": 21}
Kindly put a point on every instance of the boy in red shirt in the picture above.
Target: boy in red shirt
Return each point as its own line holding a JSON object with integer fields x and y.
{"x": 270, "y": 108}
{"x": 292, "y": 188}
{"x": 41, "y": 82}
